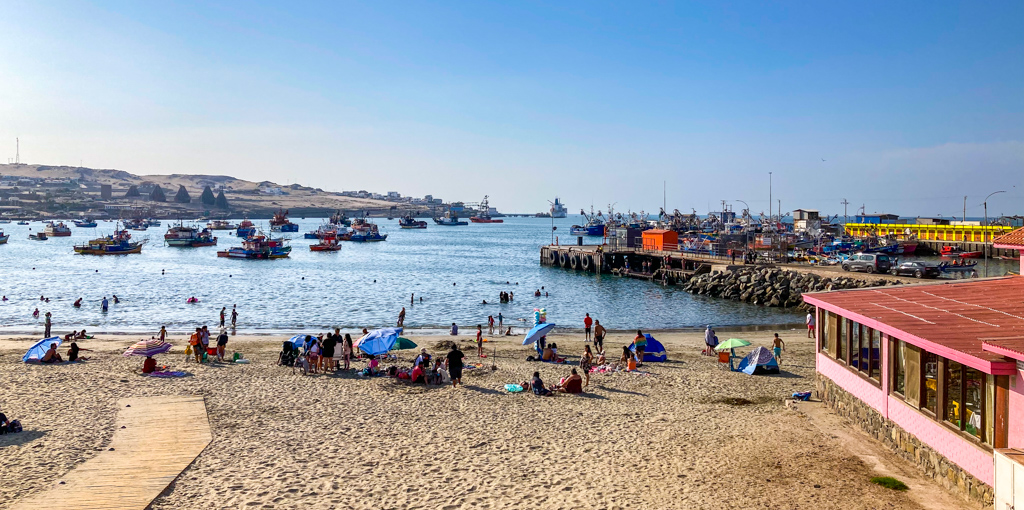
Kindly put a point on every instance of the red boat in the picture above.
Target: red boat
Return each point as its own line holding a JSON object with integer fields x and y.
{"x": 328, "y": 242}
{"x": 955, "y": 251}
{"x": 484, "y": 217}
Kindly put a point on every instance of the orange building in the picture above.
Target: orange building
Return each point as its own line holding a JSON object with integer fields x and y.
{"x": 657, "y": 239}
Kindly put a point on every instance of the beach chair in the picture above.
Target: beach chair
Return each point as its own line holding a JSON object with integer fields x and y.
{"x": 723, "y": 360}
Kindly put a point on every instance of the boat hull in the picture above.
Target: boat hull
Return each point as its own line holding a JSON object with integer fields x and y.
{"x": 3, "y": 239}
{"x": 108, "y": 250}
{"x": 474, "y": 219}
{"x": 320, "y": 247}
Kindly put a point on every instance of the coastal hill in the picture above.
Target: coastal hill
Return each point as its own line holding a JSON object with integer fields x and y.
{"x": 36, "y": 190}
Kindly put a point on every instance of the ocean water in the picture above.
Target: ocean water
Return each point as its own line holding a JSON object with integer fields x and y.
{"x": 454, "y": 269}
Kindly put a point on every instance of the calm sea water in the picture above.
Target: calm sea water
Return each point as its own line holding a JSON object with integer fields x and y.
{"x": 364, "y": 285}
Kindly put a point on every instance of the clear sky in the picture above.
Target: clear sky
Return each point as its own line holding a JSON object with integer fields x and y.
{"x": 912, "y": 105}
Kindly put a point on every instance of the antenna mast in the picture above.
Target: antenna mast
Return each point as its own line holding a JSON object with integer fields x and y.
{"x": 17, "y": 151}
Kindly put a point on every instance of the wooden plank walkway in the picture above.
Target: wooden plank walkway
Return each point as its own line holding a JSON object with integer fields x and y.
{"x": 161, "y": 437}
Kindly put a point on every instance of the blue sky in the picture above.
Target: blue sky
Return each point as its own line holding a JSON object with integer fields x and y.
{"x": 912, "y": 105}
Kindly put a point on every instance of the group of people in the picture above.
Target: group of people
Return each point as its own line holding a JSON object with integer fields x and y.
{"x": 429, "y": 371}
{"x": 505, "y": 297}
{"x": 104, "y": 303}
{"x": 52, "y": 356}
{"x": 199, "y": 344}
{"x": 317, "y": 353}
{"x": 234, "y": 315}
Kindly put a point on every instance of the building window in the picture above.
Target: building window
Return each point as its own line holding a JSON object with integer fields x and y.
{"x": 930, "y": 367}
{"x": 954, "y": 387}
{"x": 854, "y": 346}
{"x": 975, "y": 419}
{"x": 841, "y": 340}
{"x": 875, "y": 353}
{"x": 899, "y": 367}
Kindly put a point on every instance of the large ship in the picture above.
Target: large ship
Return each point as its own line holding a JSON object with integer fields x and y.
{"x": 58, "y": 229}
{"x": 558, "y": 209}
{"x": 280, "y": 223}
{"x": 189, "y": 237}
{"x": 485, "y": 214}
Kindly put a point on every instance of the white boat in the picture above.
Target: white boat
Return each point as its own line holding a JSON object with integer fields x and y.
{"x": 558, "y": 209}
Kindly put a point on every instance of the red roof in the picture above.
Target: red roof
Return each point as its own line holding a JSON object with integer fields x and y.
{"x": 1012, "y": 239}
{"x": 1011, "y": 347}
{"x": 951, "y": 320}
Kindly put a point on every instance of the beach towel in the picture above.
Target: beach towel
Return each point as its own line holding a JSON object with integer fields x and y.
{"x": 166, "y": 374}
{"x": 513, "y": 388}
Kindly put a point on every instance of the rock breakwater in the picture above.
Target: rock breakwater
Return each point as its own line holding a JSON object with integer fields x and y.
{"x": 770, "y": 286}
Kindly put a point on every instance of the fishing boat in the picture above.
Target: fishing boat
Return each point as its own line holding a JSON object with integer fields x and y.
{"x": 408, "y": 221}
{"x": 22, "y": 222}
{"x": 368, "y": 236}
{"x": 245, "y": 229}
{"x": 450, "y": 218}
{"x": 221, "y": 225}
{"x": 258, "y": 247}
{"x": 339, "y": 219}
{"x": 956, "y": 251}
{"x": 38, "y": 236}
{"x": 119, "y": 243}
{"x": 4, "y": 221}
{"x": 4, "y": 238}
{"x": 280, "y": 223}
{"x": 189, "y": 237}
{"x": 58, "y": 229}
{"x": 558, "y": 209}
{"x": 138, "y": 225}
{"x": 327, "y": 243}
{"x": 593, "y": 227}
{"x": 85, "y": 223}
{"x": 485, "y": 214}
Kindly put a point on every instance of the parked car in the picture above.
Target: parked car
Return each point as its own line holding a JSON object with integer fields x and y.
{"x": 868, "y": 262}
{"x": 916, "y": 269}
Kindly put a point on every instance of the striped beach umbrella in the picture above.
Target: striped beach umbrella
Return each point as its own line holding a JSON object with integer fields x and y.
{"x": 148, "y": 348}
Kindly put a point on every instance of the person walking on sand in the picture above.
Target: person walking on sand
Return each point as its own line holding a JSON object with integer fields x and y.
{"x": 810, "y": 324}
{"x": 640, "y": 341}
{"x": 454, "y": 359}
{"x": 599, "y": 333}
{"x": 777, "y": 347}
{"x": 223, "y": 315}
{"x": 47, "y": 324}
{"x": 587, "y": 322}
{"x": 234, "y": 315}
{"x": 479, "y": 341}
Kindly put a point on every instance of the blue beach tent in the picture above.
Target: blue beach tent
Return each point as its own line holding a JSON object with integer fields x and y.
{"x": 654, "y": 352}
{"x": 38, "y": 349}
{"x": 760, "y": 361}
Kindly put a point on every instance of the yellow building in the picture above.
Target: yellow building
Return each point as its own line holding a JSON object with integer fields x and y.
{"x": 951, "y": 233}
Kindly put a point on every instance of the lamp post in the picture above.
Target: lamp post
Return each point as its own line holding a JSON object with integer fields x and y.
{"x": 746, "y": 230}
{"x": 985, "y": 245}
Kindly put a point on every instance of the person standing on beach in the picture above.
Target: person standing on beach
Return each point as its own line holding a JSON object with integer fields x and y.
{"x": 490, "y": 324}
{"x": 401, "y": 318}
{"x": 454, "y": 358}
{"x": 777, "y": 347}
{"x": 205, "y": 339}
{"x": 196, "y": 343}
{"x": 586, "y": 361}
{"x": 223, "y": 315}
{"x": 599, "y": 333}
{"x": 710, "y": 340}
{"x": 163, "y": 333}
{"x": 640, "y": 341}
{"x": 587, "y": 322}
{"x": 810, "y": 324}
{"x": 234, "y": 315}
{"x": 501, "y": 320}
{"x": 327, "y": 359}
{"x": 222, "y": 342}
{"x": 479, "y": 341}
{"x": 346, "y": 350}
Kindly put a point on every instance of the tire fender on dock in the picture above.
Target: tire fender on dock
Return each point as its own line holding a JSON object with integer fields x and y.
{"x": 552, "y": 257}
{"x": 586, "y": 262}
{"x": 574, "y": 261}
{"x": 562, "y": 259}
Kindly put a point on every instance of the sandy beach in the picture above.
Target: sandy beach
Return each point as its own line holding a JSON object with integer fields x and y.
{"x": 680, "y": 434}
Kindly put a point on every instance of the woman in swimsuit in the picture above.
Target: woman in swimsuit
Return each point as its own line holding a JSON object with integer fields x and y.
{"x": 586, "y": 361}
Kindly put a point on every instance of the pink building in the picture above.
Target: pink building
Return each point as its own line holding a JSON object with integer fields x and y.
{"x": 932, "y": 370}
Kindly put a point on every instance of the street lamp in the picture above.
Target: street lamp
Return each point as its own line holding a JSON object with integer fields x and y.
{"x": 746, "y": 229}
{"x": 985, "y": 245}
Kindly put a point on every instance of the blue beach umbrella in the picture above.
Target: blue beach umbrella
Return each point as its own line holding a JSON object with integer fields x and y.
{"x": 38, "y": 349}
{"x": 538, "y": 331}
{"x": 379, "y": 341}
{"x": 298, "y": 341}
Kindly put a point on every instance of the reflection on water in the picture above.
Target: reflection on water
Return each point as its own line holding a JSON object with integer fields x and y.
{"x": 453, "y": 269}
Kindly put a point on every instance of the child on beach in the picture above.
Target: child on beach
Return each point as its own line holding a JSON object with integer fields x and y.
{"x": 479, "y": 341}
{"x": 777, "y": 347}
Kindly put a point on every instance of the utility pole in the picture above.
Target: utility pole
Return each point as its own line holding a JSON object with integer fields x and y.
{"x": 17, "y": 151}
{"x": 769, "y": 196}
{"x": 846, "y": 218}
{"x": 986, "y": 236}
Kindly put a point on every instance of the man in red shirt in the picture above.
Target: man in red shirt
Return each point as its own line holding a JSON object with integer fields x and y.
{"x": 417, "y": 375}
{"x": 587, "y": 322}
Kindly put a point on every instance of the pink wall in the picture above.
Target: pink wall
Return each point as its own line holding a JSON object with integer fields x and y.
{"x": 1015, "y": 425}
{"x": 949, "y": 444}
{"x": 853, "y": 383}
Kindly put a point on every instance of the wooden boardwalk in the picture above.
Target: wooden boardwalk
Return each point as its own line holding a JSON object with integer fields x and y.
{"x": 160, "y": 438}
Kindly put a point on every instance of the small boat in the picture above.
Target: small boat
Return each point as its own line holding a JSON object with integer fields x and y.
{"x": 189, "y": 237}
{"x": 450, "y": 219}
{"x": 86, "y": 223}
{"x": 408, "y": 221}
{"x": 58, "y": 229}
{"x": 4, "y": 238}
{"x": 324, "y": 230}
{"x": 372, "y": 236}
{"x": 38, "y": 236}
{"x": 4, "y": 221}
{"x": 258, "y": 247}
{"x": 955, "y": 251}
{"x": 327, "y": 243}
{"x": 221, "y": 225}
{"x": 245, "y": 229}
{"x": 485, "y": 214}
{"x": 22, "y": 222}
{"x": 280, "y": 223}
{"x": 118, "y": 244}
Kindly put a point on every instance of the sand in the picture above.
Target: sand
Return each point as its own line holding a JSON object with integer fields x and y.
{"x": 672, "y": 438}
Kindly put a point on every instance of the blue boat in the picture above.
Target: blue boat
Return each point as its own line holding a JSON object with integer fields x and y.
{"x": 593, "y": 227}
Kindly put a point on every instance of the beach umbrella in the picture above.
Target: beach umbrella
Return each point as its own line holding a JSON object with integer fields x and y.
{"x": 298, "y": 341}
{"x": 538, "y": 331}
{"x": 379, "y": 341}
{"x": 404, "y": 343}
{"x": 148, "y": 348}
{"x": 38, "y": 349}
{"x": 731, "y": 343}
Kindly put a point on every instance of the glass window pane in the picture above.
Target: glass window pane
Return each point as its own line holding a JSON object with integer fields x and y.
{"x": 974, "y": 381}
{"x": 875, "y": 353}
{"x": 841, "y": 342}
{"x": 930, "y": 367}
{"x": 899, "y": 367}
{"x": 990, "y": 408}
{"x": 954, "y": 382}
{"x": 825, "y": 316}
{"x": 857, "y": 358}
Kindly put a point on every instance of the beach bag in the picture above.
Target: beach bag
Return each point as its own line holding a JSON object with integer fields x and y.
{"x": 513, "y": 388}
{"x": 15, "y": 426}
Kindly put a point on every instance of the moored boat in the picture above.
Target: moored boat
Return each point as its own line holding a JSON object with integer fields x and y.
{"x": 182, "y": 235}
{"x": 85, "y": 223}
{"x": 956, "y": 251}
{"x": 280, "y": 223}
{"x": 58, "y": 229}
{"x": 485, "y": 216}
{"x": 245, "y": 229}
{"x": 450, "y": 219}
{"x": 221, "y": 225}
{"x": 408, "y": 221}
{"x": 593, "y": 227}
{"x": 38, "y": 236}
{"x": 119, "y": 243}
{"x": 258, "y": 247}
{"x": 327, "y": 243}
{"x": 4, "y": 238}
{"x": 558, "y": 209}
